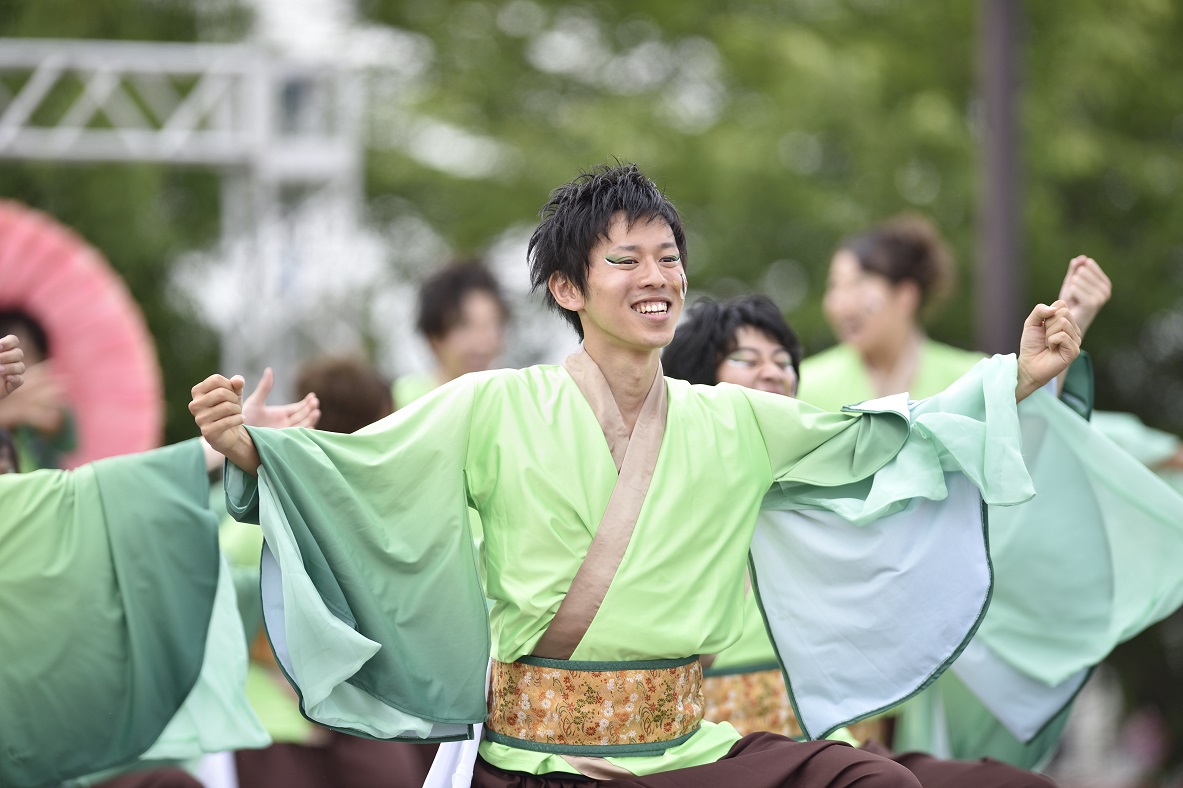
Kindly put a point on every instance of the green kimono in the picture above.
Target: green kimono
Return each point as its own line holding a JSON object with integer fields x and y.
{"x": 119, "y": 634}
{"x": 372, "y": 593}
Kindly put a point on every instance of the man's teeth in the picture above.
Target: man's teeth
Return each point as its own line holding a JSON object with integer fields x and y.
{"x": 652, "y": 307}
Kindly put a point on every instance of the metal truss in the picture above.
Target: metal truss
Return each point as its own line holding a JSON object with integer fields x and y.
{"x": 284, "y": 136}
{"x": 183, "y": 104}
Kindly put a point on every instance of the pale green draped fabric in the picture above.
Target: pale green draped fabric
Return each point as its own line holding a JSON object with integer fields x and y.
{"x": 111, "y": 601}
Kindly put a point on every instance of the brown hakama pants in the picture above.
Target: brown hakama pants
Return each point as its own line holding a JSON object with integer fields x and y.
{"x": 766, "y": 760}
{"x": 344, "y": 762}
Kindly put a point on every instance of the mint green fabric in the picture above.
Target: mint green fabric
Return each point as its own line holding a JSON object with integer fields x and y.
{"x": 385, "y": 580}
{"x": 215, "y": 715}
{"x": 409, "y": 388}
{"x": 1047, "y": 627}
{"x": 1125, "y": 526}
{"x": 107, "y": 585}
{"x": 370, "y": 540}
{"x": 1146, "y": 444}
{"x": 752, "y": 651}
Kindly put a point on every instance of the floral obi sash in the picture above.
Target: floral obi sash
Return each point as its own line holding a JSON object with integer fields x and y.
{"x": 594, "y": 708}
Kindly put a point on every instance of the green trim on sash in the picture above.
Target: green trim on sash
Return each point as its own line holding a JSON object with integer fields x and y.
{"x": 739, "y": 670}
{"x": 604, "y": 667}
{"x": 592, "y": 750}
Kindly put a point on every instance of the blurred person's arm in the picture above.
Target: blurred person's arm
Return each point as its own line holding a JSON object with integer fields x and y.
{"x": 40, "y": 403}
{"x": 222, "y": 415}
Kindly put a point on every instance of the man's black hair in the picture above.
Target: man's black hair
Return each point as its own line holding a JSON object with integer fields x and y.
{"x": 579, "y": 214}
{"x": 709, "y": 334}
{"x": 442, "y": 296}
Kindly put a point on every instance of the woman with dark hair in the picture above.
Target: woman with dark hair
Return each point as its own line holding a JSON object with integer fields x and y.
{"x": 880, "y": 284}
{"x": 744, "y": 684}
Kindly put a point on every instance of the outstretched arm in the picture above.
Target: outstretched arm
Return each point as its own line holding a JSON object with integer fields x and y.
{"x": 1051, "y": 341}
{"x": 257, "y": 413}
{"x": 1085, "y": 290}
{"x": 217, "y": 409}
{"x": 12, "y": 365}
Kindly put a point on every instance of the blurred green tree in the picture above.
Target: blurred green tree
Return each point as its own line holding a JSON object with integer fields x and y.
{"x": 779, "y": 128}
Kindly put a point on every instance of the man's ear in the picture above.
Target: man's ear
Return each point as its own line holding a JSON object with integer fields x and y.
{"x": 565, "y": 292}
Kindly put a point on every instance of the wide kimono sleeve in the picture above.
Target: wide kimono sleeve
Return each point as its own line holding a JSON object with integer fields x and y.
{"x": 874, "y": 572}
{"x": 371, "y": 595}
{"x": 118, "y": 630}
{"x": 1089, "y": 563}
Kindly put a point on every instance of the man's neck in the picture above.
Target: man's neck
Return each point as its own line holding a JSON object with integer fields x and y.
{"x": 629, "y": 374}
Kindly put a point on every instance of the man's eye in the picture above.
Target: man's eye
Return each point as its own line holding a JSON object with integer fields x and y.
{"x": 620, "y": 261}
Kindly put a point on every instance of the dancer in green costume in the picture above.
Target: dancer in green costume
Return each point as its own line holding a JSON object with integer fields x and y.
{"x": 372, "y": 595}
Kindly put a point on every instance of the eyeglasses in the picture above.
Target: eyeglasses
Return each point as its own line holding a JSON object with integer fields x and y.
{"x": 750, "y": 358}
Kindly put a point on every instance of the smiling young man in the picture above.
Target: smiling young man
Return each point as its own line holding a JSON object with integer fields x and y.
{"x": 618, "y": 506}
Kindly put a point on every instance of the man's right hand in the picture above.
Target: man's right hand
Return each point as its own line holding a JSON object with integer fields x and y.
{"x": 217, "y": 409}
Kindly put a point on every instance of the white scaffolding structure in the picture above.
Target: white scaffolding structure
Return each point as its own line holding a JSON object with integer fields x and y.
{"x": 284, "y": 135}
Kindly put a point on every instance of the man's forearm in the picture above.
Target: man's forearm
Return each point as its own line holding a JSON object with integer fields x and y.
{"x": 245, "y": 455}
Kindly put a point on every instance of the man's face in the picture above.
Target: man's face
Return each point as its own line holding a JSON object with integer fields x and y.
{"x": 758, "y": 362}
{"x": 475, "y": 342}
{"x": 635, "y": 284}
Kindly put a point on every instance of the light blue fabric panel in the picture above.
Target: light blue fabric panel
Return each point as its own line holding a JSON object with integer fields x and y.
{"x": 1022, "y": 704}
{"x": 864, "y": 616}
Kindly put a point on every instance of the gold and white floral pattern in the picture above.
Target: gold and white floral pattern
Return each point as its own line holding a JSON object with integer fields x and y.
{"x": 758, "y": 701}
{"x": 554, "y": 706}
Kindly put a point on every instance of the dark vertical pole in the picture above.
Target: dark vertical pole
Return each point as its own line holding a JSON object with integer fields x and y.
{"x": 997, "y": 277}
